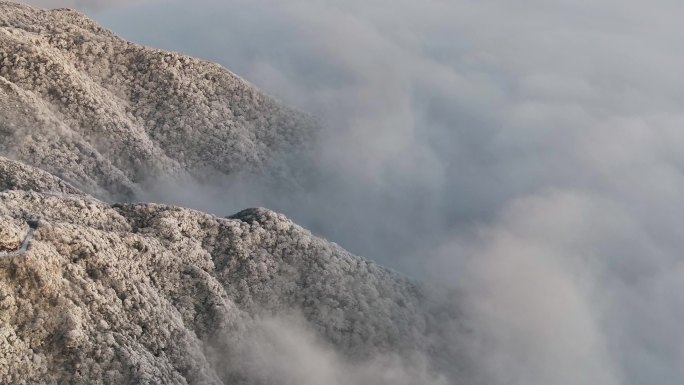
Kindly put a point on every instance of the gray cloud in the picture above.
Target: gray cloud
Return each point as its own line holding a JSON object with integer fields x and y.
{"x": 528, "y": 154}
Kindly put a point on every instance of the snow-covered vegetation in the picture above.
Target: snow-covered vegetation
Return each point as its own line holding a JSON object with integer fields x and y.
{"x": 109, "y": 115}
{"x": 151, "y": 293}
{"x": 148, "y": 293}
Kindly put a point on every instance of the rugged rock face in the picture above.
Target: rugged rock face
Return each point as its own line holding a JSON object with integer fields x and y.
{"x": 144, "y": 293}
{"x": 107, "y": 115}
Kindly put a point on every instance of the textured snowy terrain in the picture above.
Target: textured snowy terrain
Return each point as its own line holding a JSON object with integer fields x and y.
{"x": 149, "y": 293}
{"x": 109, "y": 115}
{"x": 130, "y": 293}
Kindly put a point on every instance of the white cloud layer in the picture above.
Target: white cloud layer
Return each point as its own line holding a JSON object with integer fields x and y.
{"x": 527, "y": 153}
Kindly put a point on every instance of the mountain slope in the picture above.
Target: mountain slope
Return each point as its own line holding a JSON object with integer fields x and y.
{"x": 108, "y": 115}
{"x": 149, "y": 293}
{"x": 18, "y": 176}
{"x": 144, "y": 293}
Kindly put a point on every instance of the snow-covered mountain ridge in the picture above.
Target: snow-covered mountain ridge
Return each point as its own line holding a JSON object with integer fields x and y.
{"x": 157, "y": 294}
{"x": 108, "y": 115}
{"x": 147, "y": 293}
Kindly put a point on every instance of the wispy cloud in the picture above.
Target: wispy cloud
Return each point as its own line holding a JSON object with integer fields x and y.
{"x": 284, "y": 350}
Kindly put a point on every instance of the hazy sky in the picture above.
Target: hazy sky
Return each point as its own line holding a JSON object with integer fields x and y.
{"x": 528, "y": 153}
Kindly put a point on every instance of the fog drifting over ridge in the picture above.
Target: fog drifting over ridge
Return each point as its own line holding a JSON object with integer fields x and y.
{"x": 528, "y": 154}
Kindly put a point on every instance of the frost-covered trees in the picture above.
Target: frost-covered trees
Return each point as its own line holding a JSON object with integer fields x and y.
{"x": 135, "y": 293}
{"x": 149, "y": 293}
{"x": 11, "y": 233}
{"x": 107, "y": 115}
